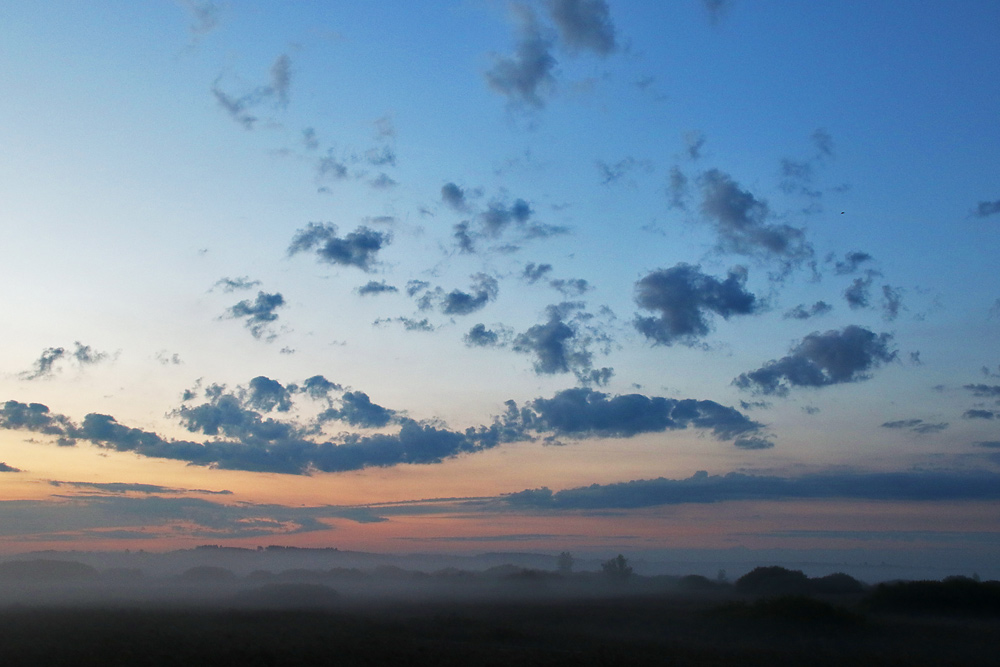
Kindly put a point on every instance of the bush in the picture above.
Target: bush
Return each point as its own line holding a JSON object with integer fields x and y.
{"x": 773, "y": 580}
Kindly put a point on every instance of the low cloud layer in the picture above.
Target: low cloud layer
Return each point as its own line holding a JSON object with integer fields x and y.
{"x": 704, "y": 488}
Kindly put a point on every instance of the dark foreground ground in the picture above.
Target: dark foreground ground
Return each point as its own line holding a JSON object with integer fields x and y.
{"x": 629, "y": 630}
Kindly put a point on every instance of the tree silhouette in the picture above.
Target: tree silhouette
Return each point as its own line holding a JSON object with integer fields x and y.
{"x": 617, "y": 568}
{"x": 565, "y": 562}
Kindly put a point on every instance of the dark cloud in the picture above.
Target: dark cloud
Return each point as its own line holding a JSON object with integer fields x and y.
{"x": 8, "y": 468}
{"x": 309, "y": 139}
{"x": 47, "y": 363}
{"x": 682, "y": 296}
{"x": 409, "y": 323}
{"x": 800, "y": 312}
{"x": 457, "y": 302}
{"x": 234, "y": 284}
{"x": 318, "y": 386}
{"x": 414, "y": 287}
{"x": 168, "y": 359}
{"x": 715, "y": 9}
{"x": 534, "y": 272}
{"x": 694, "y": 142}
{"x": 583, "y": 25}
{"x": 989, "y": 444}
{"x": 852, "y": 262}
{"x": 823, "y": 142}
{"x": 205, "y": 14}
{"x": 381, "y": 157}
{"x": 822, "y": 359}
{"x": 582, "y": 412}
{"x": 741, "y": 221}
{"x": 918, "y": 426}
{"x": 132, "y": 487}
{"x": 558, "y": 344}
{"x": 332, "y": 167}
{"x": 987, "y": 208}
{"x": 240, "y": 107}
{"x": 259, "y": 313}
{"x": 892, "y": 302}
{"x": 677, "y": 188}
{"x": 525, "y": 77}
{"x": 498, "y": 216}
{"x": 704, "y": 488}
{"x": 463, "y": 238}
{"x": 612, "y": 173}
{"x": 373, "y": 287}
{"x": 750, "y": 443}
{"x": 454, "y": 196}
{"x": 266, "y": 394}
{"x": 597, "y": 376}
{"x": 281, "y": 78}
{"x": 858, "y": 294}
{"x": 571, "y": 287}
{"x": 979, "y": 414}
{"x": 480, "y": 336}
{"x": 34, "y": 417}
{"x": 983, "y": 390}
{"x": 358, "y": 248}
{"x": 383, "y": 182}
{"x": 357, "y": 409}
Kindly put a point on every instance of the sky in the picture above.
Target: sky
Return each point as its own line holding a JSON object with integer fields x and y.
{"x": 700, "y": 276}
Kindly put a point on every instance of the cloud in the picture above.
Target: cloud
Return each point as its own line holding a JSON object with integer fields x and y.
{"x": 281, "y": 78}
{"x": 694, "y": 142}
{"x": 454, "y": 196}
{"x": 715, "y": 9}
{"x": 8, "y": 468}
{"x": 234, "y": 284}
{"x": 858, "y": 294}
{"x": 410, "y": 324}
{"x": 918, "y": 426}
{"x": 309, "y": 139}
{"x": 134, "y": 487}
{"x": 740, "y": 220}
{"x": 373, "y": 287}
{"x": 704, "y": 488}
{"x": 205, "y": 14}
{"x": 852, "y": 262}
{"x": 357, "y": 409}
{"x": 612, "y": 173}
{"x": 987, "y": 208}
{"x": 383, "y": 182}
{"x": 989, "y": 444}
{"x": 582, "y": 412}
{"x": 682, "y": 296}
{"x": 240, "y": 107}
{"x": 677, "y": 189}
{"x": 484, "y": 290}
{"x": 821, "y": 360}
{"x": 480, "y": 336}
{"x": 498, "y": 216}
{"x": 358, "y": 248}
{"x": 534, "y": 272}
{"x": 800, "y": 312}
{"x": 266, "y": 394}
{"x": 584, "y": 25}
{"x": 48, "y": 362}
{"x": 525, "y": 77}
{"x": 559, "y": 345}
{"x": 823, "y": 142}
{"x": 168, "y": 359}
{"x": 979, "y": 414}
{"x": 983, "y": 390}
{"x": 381, "y": 157}
{"x": 892, "y": 302}
{"x": 259, "y": 313}
{"x": 571, "y": 287}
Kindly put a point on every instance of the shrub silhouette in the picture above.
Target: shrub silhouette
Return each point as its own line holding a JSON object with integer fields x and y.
{"x": 45, "y": 570}
{"x": 773, "y": 580}
{"x": 837, "y": 583}
{"x": 207, "y": 574}
{"x": 954, "y": 595}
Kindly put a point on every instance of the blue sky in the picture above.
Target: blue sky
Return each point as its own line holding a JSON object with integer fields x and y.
{"x": 342, "y": 263}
